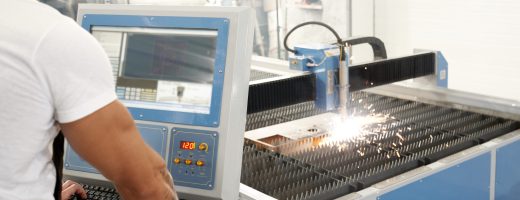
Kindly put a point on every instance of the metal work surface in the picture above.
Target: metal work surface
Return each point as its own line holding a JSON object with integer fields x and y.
{"x": 280, "y": 115}
{"x": 383, "y": 137}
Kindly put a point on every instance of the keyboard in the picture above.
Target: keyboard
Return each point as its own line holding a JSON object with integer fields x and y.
{"x": 99, "y": 193}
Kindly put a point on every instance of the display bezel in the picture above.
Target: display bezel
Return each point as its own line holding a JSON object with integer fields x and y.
{"x": 221, "y": 25}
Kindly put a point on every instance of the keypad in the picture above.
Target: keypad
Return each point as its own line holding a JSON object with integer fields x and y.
{"x": 99, "y": 193}
{"x": 136, "y": 94}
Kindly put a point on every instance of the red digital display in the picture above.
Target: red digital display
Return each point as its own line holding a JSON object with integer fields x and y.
{"x": 187, "y": 145}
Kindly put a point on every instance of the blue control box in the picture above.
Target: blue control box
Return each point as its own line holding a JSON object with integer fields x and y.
{"x": 193, "y": 157}
{"x": 324, "y": 61}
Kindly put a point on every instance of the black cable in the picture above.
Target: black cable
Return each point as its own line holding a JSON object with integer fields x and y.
{"x": 338, "y": 38}
{"x": 310, "y": 23}
{"x": 377, "y": 45}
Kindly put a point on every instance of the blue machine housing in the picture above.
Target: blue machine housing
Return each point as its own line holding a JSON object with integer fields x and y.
{"x": 156, "y": 136}
{"x": 322, "y": 60}
{"x": 183, "y": 74}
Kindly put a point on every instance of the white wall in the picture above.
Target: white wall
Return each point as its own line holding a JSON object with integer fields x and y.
{"x": 331, "y": 12}
{"x": 362, "y": 25}
{"x": 480, "y": 39}
{"x": 169, "y": 2}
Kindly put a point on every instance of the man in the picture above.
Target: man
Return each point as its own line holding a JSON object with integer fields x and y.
{"x": 54, "y": 75}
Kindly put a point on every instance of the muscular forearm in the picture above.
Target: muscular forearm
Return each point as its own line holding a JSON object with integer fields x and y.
{"x": 109, "y": 140}
{"x": 157, "y": 189}
{"x": 157, "y": 185}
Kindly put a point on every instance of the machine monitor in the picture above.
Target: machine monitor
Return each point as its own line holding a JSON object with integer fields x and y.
{"x": 163, "y": 69}
{"x": 183, "y": 74}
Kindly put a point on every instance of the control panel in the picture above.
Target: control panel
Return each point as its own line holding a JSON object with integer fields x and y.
{"x": 193, "y": 157}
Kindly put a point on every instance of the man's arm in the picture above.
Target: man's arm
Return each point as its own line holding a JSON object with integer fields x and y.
{"x": 109, "y": 140}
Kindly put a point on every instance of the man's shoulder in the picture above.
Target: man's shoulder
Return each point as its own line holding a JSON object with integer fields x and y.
{"x": 30, "y": 17}
{"x": 30, "y": 8}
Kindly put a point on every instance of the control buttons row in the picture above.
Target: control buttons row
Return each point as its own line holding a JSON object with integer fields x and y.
{"x": 199, "y": 163}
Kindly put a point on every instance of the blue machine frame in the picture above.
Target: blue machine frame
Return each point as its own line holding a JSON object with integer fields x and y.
{"x": 324, "y": 61}
{"x": 220, "y": 24}
{"x": 467, "y": 180}
{"x": 507, "y": 178}
{"x": 442, "y": 70}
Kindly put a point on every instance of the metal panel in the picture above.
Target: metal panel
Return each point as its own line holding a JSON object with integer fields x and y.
{"x": 507, "y": 181}
{"x": 468, "y": 180}
{"x": 153, "y": 135}
{"x": 219, "y": 24}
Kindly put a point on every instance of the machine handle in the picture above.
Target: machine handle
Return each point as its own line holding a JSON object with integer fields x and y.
{"x": 377, "y": 45}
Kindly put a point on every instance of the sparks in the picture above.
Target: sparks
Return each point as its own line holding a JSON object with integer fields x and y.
{"x": 352, "y": 128}
{"x": 399, "y": 136}
{"x": 360, "y": 153}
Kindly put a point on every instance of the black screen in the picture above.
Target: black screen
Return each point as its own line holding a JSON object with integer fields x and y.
{"x": 183, "y": 58}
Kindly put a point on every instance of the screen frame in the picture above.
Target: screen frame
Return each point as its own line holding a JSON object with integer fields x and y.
{"x": 221, "y": 25}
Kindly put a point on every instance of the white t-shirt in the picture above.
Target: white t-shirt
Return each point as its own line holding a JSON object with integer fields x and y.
{"x": 51, "y": 71}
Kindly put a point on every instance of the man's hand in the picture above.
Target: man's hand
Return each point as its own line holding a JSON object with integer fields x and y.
{"x": 109, "y": 140}
{"x": 70, "y": 188}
